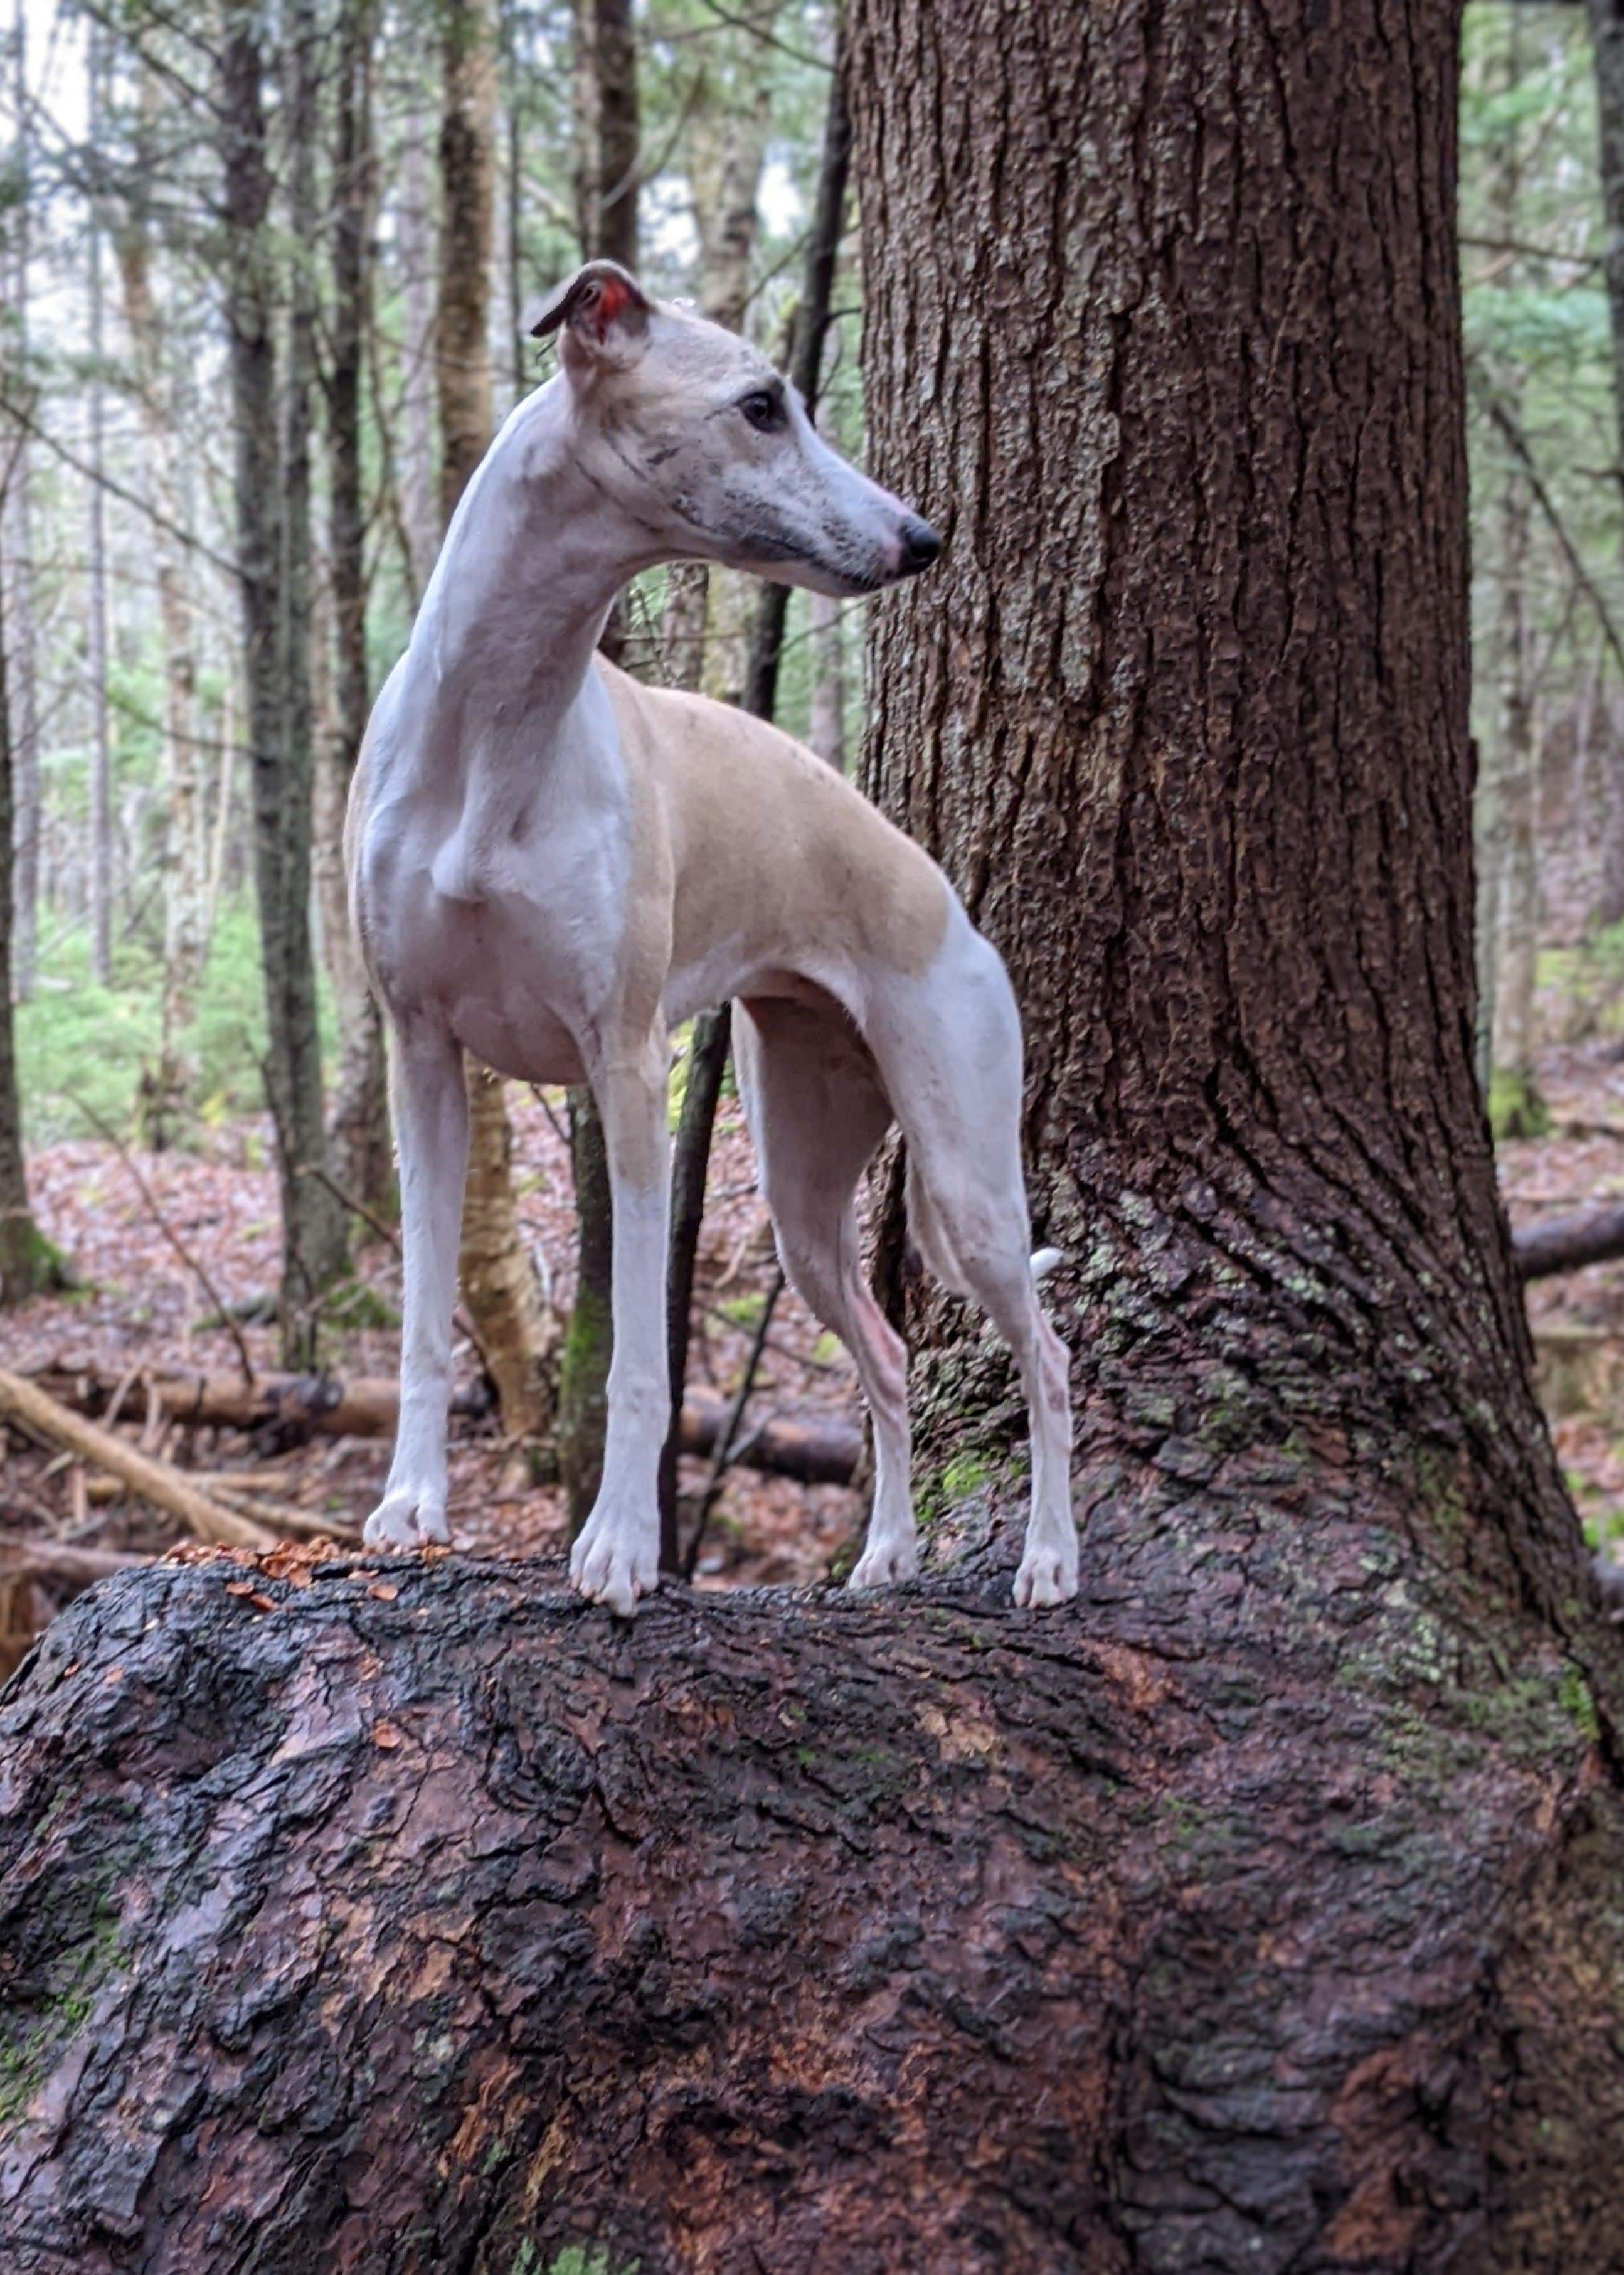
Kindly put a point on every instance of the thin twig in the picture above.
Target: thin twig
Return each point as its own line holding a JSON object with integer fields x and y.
{"x": 11, "y": 409}
{"x": 1518, "y": 443}
{"x": 783, "y": 1350}
{"x": 546, "y": 1104}
{"x": 759, "y": 31}
{"x": 169, "y": 1232}
{"x": 358, "y": 1208}
{"x": 1528, "y": 252}
{"x": 723, "y": 1455}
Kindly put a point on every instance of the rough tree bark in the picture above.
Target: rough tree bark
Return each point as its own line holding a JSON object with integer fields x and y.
{"x": 1185, "y": 713}
{"x": 267, "y": 493}
{"x": 498, "y": 1276}
{"x": 1260, "y": 1911}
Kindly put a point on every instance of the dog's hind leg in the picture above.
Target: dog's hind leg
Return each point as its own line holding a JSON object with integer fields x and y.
{"x": 817, "y": 1112}
{"x": 950, "y": 1049}
{"x": 429, "y": 1103}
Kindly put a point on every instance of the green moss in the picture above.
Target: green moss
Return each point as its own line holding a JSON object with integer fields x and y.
{"x": 1516, "y": 1110}
{"x": 744, "y": 1310}
{"x": 1230, "y": 1420}
{"x": 351, "y": 1304}
{"x": 1438, "y": 1493}
{"x": 964, "y": 1475}
{"x": 30, "y": 1264}
{"x": 843, "y": 1561}
{"x": 1579, "y": 1703}
{"x": 26, "y": 2063}
{"x": 583, "y": 1379}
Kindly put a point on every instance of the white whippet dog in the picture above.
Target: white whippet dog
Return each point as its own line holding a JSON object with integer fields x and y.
{"x": 552, "y": 864}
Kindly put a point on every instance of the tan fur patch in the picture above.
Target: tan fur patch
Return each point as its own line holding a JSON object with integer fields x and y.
{"x": 768, "y": 845}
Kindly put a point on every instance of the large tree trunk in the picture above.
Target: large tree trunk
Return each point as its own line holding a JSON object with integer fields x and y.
{"x": 1185, "y": 713}
{"x": 498, "y": 1276}
{"x": 418, "y": 1919}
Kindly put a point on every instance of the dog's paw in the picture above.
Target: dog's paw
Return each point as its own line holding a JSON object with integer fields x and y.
{"x": 614, "y": 1566}
{"x": 1047, "y": 1576}
{"x": 408, "y": 1516}
{"x": 886, "y": 1564}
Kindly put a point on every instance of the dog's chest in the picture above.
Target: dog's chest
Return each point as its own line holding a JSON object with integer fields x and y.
{"x": 514, "y": 934}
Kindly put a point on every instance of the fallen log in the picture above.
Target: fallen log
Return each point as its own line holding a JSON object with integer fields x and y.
{"x": 61, "y": 1571}
{"x": 1567, "y": 1244}
{"x": 62, "y": 1566}
{"x": 412, "y": 1914}
{"x": 156, "y": 1481}
{"x": 820, "y": 1449}
{"x": 363, "y": 1406}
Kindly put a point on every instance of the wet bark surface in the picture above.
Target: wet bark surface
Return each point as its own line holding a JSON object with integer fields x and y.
{"x": 1254, "y": 1912}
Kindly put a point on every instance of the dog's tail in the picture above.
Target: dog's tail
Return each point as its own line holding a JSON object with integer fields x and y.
{"x": 930, "y": 1237}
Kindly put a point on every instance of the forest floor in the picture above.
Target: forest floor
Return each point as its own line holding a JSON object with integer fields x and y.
{"x": 1578, "y": 1316}
{"x": 139, "y": 1311}
{"x": 140, "y": 1308}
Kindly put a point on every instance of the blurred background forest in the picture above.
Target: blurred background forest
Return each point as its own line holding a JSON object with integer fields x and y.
{"x": 263, "y": 281}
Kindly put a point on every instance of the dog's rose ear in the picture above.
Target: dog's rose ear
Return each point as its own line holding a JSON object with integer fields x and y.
{"x": 595, "y": 303}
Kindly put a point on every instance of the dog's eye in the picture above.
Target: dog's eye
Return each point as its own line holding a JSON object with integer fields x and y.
{"x": 764, "y": 408}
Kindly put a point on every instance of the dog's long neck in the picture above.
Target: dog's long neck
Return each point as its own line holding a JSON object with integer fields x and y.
{"x": 503, "y": 640}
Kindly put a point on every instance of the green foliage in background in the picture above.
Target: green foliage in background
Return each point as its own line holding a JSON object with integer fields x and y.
{"x": 76, "y": 1040}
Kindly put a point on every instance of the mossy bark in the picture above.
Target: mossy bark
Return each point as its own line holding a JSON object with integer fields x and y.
{"x": 1260, "y": 1911}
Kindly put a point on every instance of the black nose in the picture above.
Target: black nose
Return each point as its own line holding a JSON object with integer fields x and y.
{"x": 920, "y": 545}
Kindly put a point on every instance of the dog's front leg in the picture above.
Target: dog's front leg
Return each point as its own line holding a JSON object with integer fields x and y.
{"x": 430, "y": 1105}
{"x": 616, "y": 1559}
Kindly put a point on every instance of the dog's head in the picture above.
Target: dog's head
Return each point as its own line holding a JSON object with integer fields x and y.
{"x": 694, "y": 436}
